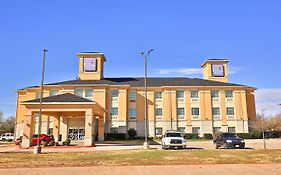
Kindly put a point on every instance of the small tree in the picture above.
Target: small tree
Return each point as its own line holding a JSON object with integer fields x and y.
{"x": 132, "y": 133}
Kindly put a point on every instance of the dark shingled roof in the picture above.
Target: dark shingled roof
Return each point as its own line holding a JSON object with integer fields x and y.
{"x": 61, "y": 98}
{"x": 151, "y": 82}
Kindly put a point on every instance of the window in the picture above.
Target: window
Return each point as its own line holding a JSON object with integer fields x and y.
{"x": 215, "y": 94}
{"x": 86, "y": 93}
{"x": 229, "y": 111}
{"x": 114, "y": 95}
{"x": 216, "y": 113}
{"x": 38, "y": 95}
{"x": 53, "y": 92}
{"x": 158, "y": 131}
{"x": 132, "y": 96}
{"x": 196, "y": 130}
{"x": 132, "y": 113}
{"x": 114, "y": 130}
{"x": 158, "y": 111}
{"x": 195, "y": 111}
{"x": 50, "y": 131}
{"x": 89, "y": 93}
{"x": 231, "y": 130}
{"x": 229, "y": 94}
{"x": 180, "y": 113}
{"x": 114, "y": 111}
{"x": 158, "y": 95}
{"x": 180, "y": 94}
{"x": 194, "y": 94}
{"x": 181, "y": 130}
{"x": 217, "y": 129}
{"x": 78, "y": 92}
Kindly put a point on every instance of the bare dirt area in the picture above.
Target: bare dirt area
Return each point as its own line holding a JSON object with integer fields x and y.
{"x": 234, "y": 169}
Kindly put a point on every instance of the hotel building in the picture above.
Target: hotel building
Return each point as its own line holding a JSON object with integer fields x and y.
{"x": 91, "y": 105}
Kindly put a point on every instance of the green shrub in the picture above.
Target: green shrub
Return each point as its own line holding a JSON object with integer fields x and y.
{"x": 115, "y": 136}
{"x": 256, "y": 134}
{"x": 132, "y": 133}
{"x": 245, "y": 135}
{"x": 67, "y": 142}
{"x": 56, "y": 144}
{"x": 208, "y": 136}
{"x": 191, "y": 136}
{"x": 3, "y": 139}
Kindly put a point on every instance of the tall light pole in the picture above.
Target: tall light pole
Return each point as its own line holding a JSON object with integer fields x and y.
{"x": 145, "y": 144}
{"x": 262, "y": 125}
{"x": 37, "y": 148}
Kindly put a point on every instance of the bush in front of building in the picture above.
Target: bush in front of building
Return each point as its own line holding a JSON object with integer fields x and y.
{"x": 191, "y": 136}
{"x": 66, "y": 142}
{"x": 115, "y": 136}
{"x": 245, "y": 135}
{"x": 207, "y": 136}
{"x": 257, "y": 134}
{"x": 132, "y": 133}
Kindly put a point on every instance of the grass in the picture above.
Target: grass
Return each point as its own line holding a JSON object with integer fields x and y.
{"x": 140, "y": 157}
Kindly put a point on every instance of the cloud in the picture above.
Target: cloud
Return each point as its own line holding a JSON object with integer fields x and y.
{"x": 192, "y": 71}
{"x": 268, "y": 99}
{"x": 183, "y": 71}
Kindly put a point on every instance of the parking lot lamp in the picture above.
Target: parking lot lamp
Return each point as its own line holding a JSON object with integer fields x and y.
{"x": 262, "y": 126}
{"x": 37, "y": 148}
{"x": 145, "y": 144}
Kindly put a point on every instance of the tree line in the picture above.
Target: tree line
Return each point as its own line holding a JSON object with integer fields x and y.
{"x": 7, "y": 124}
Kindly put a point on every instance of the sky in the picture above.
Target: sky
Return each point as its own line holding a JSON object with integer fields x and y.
{"x": 182, "y": 33}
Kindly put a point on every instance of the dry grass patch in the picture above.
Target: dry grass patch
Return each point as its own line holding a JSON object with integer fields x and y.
{"x": 140, "y": 157}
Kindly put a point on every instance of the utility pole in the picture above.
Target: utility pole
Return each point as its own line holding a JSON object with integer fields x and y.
{"x": 37, "y": 148}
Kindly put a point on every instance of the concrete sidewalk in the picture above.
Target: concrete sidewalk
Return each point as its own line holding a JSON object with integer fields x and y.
{"x": 233, "y": 169}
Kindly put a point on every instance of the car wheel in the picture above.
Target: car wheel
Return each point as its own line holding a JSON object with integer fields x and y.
{"x": 225, "y": 146}
{"x": 216, "y": 146}
{"x": 242, "y": 146}
{"x": 44, "y": 143}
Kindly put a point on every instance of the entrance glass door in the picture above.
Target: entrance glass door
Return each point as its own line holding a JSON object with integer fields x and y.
{"x": 76, "y": 134}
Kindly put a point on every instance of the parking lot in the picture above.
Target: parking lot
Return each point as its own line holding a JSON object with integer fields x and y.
{"x": 207, "y": 145}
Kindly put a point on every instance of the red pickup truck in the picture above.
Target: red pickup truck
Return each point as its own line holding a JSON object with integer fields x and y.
{"x": 34, "y": 140}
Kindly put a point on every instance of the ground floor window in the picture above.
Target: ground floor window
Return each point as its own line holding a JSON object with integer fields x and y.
{"x": 76, "y": 134}
{"x": 158, "y": 131}
{"x": 181, "y": 130}
{"x": 231, "y": 130}
{"x": 114, "y": 130}
{"x": 196, "y": 130}
{"x": 217, "y": 129}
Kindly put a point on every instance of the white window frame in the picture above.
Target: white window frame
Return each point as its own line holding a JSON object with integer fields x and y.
{"x": 158, "y": 99}
{"x": 193, "y": 115}
{"x": 132, "y": 100}
{"x": 159, "y": 116}
{"x": 181, "y": 116}
{"x": 230, "y": 116}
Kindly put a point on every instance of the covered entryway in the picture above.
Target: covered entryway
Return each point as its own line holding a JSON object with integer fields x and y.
{"x": 68, "y": 111}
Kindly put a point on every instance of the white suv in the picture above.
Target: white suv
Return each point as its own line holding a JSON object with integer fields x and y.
{"x": 173, "y": 139}
{"x": 7, "y": 136}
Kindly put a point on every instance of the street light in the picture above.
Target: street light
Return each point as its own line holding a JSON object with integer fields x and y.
{"x": 37, "y": 148}
{"x": 145, "y": 144}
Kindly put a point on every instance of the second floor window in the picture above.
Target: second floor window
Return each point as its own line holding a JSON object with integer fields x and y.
{"x": 132, "y": 113}
{"x": 195, "y": 111}
{"x": 158, "y": 111}
{"x": 132, "y": 96}
{"x": 114, "y": 95}
{"x": 229, "y": 111}
{"x": 86, "y": 93}
{"x": 114, "y": 111}
{"x": 216, "y": 111}
{"x": 180, "y": 111}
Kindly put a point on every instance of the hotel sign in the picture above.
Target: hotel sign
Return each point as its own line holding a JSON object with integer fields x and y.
{"x": 90, "y": 64}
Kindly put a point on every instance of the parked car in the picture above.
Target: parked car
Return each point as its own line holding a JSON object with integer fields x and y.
{"x": 7, "y": 136}
{"x": 173, "y": 139}
{"x": 228, "y": 140}
{"x": 42, "y": 138}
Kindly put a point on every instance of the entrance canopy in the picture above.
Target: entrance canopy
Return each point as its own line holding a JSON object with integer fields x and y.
{"x": 64, "y": 105}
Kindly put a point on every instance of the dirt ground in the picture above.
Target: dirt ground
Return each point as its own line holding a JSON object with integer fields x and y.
{"x": 233, "y": 169}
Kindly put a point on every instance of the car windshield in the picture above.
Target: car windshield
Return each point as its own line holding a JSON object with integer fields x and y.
{"x": 230, "y": 135}
{"x": 173, "y": 135}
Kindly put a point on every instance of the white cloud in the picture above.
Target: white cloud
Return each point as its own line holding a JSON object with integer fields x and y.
{"x": 268, "y": 99}
{"x": 192, "y": 71}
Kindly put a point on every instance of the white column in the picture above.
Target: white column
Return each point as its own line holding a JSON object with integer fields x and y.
{"x": 88, "y": 139}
